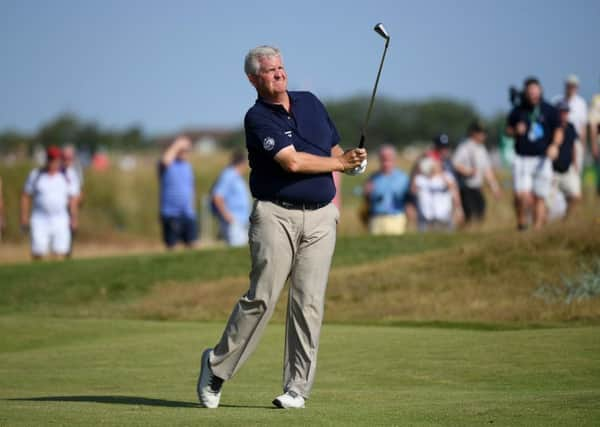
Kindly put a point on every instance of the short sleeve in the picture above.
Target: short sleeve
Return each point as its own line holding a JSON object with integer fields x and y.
{"x": 73, "y": 183}
{"x": 30, "y": 182}
{"x": 264, "y": 137}
{"x": 486, "y": 163}
{"x": 220, "y": 187}
{"x": 461, "y": 156}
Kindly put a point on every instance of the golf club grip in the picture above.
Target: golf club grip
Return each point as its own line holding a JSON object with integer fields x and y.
{"x": 361, "y": 144}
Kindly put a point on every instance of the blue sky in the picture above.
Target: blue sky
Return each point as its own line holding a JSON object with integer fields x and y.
{"x": 166, "y": 65}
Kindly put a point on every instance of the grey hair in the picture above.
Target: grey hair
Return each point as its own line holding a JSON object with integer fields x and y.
{"x": 252, "y": 60}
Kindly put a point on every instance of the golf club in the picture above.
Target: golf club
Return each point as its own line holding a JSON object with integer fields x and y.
{"x": 379, "y": 29}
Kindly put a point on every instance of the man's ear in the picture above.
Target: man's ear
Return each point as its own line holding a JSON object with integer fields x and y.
{"x": 252, "y": 79}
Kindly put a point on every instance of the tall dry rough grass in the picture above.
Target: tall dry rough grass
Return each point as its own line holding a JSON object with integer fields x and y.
{"x": 492, "y": 278}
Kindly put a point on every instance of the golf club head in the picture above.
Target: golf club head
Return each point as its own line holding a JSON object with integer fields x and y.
{"x": 380, "y": 29}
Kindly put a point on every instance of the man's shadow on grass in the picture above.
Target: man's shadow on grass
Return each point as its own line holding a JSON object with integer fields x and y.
{"x": 127, "y": 400}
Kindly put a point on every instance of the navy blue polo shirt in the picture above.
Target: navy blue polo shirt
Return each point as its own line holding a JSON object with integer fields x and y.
{"x": 565, "y": 153}
{"x": 541, "y": 121}
{"x": 269, "y": 128}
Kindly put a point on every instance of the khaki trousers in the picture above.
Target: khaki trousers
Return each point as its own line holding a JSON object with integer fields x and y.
{"x": 284, "y": 243}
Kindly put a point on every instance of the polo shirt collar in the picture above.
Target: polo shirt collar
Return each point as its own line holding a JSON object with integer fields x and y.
{"x": 278, "y": 107}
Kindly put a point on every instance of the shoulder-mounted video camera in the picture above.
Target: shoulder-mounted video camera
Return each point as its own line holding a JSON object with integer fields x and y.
{"x": 515, "y": 96}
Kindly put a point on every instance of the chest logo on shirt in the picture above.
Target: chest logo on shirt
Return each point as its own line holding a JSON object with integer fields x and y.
{"x": 288, "y": 133}
{"x": 268, "y": 143}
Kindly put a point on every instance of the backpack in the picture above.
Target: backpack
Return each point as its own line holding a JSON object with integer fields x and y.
{"x": 43, "y": 170}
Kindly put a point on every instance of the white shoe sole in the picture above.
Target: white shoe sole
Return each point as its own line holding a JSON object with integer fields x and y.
{"x": 279, "y": 404}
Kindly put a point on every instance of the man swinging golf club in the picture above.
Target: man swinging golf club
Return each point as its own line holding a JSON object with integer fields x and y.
{"x": 293, "y": 147}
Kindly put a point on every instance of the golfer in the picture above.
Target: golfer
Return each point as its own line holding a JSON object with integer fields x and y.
{"x": 292, "y": 151}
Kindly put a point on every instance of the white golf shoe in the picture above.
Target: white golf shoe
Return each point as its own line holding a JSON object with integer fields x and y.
{"x": 289, "y": 400}
{"x": 209, "y": 385}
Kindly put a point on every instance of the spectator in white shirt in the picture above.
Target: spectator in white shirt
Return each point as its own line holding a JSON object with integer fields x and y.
{"x": 49, "y": 207}
{"x": 438, "y": 200}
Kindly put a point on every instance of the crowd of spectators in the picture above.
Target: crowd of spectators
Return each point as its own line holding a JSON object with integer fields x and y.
{"x": 443, "y": 190}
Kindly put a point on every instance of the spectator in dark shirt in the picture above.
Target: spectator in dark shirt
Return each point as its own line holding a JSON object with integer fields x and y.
{"x": 566, "y": 179}
{"x": 533, "y": 124}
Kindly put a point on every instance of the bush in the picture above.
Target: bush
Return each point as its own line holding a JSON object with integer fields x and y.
{"x": 582, "y": 286}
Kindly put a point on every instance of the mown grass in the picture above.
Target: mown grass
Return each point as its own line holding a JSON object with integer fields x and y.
{"x": 141, "y": 373}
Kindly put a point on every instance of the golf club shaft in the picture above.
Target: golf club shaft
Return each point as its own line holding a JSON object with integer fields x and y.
{"x": 361, "y": 144}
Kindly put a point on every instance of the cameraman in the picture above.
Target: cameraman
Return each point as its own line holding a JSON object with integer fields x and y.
{"x": 534, "y": 126}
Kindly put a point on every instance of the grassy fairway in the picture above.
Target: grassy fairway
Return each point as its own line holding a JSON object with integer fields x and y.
{"x": 78, "y": 345}
{"x": 106, "y": 372}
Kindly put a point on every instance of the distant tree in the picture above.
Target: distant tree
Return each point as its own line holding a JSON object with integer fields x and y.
{"x": 60, "y": 131}
{"x": 132, "y": 137}
{"x": 495, "y": 126}
{"x": 237, "y": 139}
{"x": 68, "y": 129}
{"x": 12, "y": 142}
{"x": 401, "y": 122}
{"x": 89, "y": 138}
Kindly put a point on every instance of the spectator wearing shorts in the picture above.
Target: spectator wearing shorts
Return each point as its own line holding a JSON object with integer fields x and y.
{"x": 386, "y": 192}
{"x": 231, "y": 201}
{"x": 533, "y": 124}
{"x": 471, "y": 163}
{"x": 49, "y": 207}
{"x": 566, "y": 178}
{"x": 177, "y": 195}
{"x": 436, "y": 193}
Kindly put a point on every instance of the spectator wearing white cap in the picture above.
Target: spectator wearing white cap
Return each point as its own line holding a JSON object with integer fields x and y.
{"x": 578, "y": 116}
